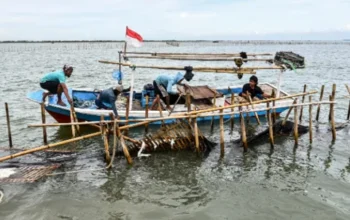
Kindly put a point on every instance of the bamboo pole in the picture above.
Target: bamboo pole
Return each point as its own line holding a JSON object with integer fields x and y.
{"x": 269, "y": 120}
{"x": 105, "y": 143}
{"x": 43, "y": 120}
{"x": 77, "y": 128}
{"x": 127, "y": 110}
{"x": 146, "y": 113}
{"x": 232, "y": 110}
{"x": 334, "y": 135}
{"x": 196, "y": 134}
{"x": 198, "y": 58}
{"x": 244, "y": 135}
{"x": 8, "y": 125}
{"x": 111, "y": 115}
{"x": 188, "y": 103}
{"x": 222, "y": 143}
{"x": 179, "y": 116}
{"x": 125, "y": 150}
{"x": 296, "y": 135}
{"x": 120, "y": 60}
{"x": 319, "y": 106}
{"x": 274, "y": 115}
{"x": 212, "y": 119}
{"x": 44, "y": 147}
{"x": 333, "y": 97}
{"x": 160, "y": 109}
{"x": 347, "y": 87}
{"x": 234, "y": 70}
{"x": 288, "y": 113}
{"x": 198, "y": 54}
{"x": 310, "y": 119}
{"x": 302, "y": 101}
{"x": 72, "y": 120}
{"x": 255, "y": 113}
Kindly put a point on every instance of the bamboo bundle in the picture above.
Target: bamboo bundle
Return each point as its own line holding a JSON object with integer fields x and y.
{"x": 198, "y": 54}
{"x": 199, "y": 58}
{"x": 234, "y": 70}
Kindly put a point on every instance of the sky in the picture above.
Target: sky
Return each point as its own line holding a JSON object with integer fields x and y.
{"x": 175, "y": 19}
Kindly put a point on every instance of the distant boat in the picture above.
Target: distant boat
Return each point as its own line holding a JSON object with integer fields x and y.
{"x": 215, "y": 41}
{"x": 173, "y": 43}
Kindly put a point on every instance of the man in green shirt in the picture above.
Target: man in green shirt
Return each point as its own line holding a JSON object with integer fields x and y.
{"x": 55, "y": 83}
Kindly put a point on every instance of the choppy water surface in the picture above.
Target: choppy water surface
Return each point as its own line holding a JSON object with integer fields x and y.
{"x": 310, "y": 182}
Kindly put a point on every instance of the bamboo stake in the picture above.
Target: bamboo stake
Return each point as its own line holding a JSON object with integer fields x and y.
{"x": 72, "y": 120}
{"x": 333, "y": 97}
{"x": 125, "y": 150}
{"x": 127, "y": 110}
{"x": 271, "y": 138}
{"x": 77, "y": 128}
{"x": 319, "y": 106}
{"x": 198, "y": 54}
{"x": 43, "y": 120}
{"x": 212, "y": 119}
{"x": 255, "y": 113}
{"x": 44, "y": 147}
{"x": 106, "y": 145}
{"x": 120, "y": 60}
{"x": 232, "y": 110}
{"x": 244, "y": 135}
{"x": 146, "y": 113}
{"x": 274, "y": 115}
{"x": 178, "y": 116}
{"x": 111, "y": 115}
{"x": 334, "y": 135}
{"x": 310, "y": 119}
{"x": 296, "y": 135}
{"x": 347, "y": 87}
{"x": 196, "y": 134}
{"x": 302, "y": 101}
{"x": 222, "y": 143}
{"x": 160, "y": 109}
{"x": 8, "y": 125}
{"x": 289, "y": 111}
{"x": 233, "y": 70}
{"x": 197, "y": 58}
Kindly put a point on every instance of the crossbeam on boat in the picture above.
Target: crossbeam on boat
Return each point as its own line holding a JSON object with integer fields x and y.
{"x": 199, "y": 54}
{"x": 200, "y": 58}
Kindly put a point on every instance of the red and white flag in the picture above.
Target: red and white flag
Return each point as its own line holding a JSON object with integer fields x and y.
{"x": 133, "y": 38}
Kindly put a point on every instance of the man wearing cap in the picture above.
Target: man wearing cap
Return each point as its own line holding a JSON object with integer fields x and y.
{"x": 253, "y": 89}
{"x": 55, "y": 83}
{"x": 163, "y": 84}
{"x": 106, "y": 99}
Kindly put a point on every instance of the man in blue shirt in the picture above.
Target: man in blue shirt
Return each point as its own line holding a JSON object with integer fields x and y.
{"x": 163, "y": 84}
{"x": 106, "y": 99}
{"x": 55, "y": 83}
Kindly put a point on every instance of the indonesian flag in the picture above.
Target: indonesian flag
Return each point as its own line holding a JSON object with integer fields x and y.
{"x": 133, "y": 38}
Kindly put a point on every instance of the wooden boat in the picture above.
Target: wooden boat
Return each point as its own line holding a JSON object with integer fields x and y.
{"x": 86, "y": 110}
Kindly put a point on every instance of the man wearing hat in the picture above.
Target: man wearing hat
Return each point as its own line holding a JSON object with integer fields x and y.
{"x": 106, "y": 99}
{"x": 55, "y": 83}
{"x": 163, "y": 84}
{"x": 253, "y": 89}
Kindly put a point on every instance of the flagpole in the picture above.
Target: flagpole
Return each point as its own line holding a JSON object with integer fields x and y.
{"x": 125, "y": 43}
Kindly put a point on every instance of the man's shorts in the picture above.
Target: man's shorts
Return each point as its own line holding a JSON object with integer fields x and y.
{"x": 50, "y": 86}
{"x": 159, "y": 89}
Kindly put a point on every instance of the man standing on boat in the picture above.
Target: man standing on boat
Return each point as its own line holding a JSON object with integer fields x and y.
{"x": 253, "y": 89}
{"x": 163, "y": 84}
{"x": 107, "y": 98}
{"x": 55, "y": 83}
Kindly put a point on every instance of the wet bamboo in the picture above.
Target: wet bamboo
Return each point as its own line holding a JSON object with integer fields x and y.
{"x": 232, "y": 110}
{"x": 120, "y": 60}
{"x": 146, "y": 113}
{"x": 77, "y": 128}
{"x": 348, "y": 88}
{"x": 111, "y": 115}
{"x": 125, "y": 150}
{"x": 243, "y": 133}
{"x": 160, "y": 109}
{"x": 196, "y": 134}
{"x": 245, "y": 70}
{"x": 310, "y": 119}
{"x": 334, "y": 135}
{"x": 222, "y": 143}
{"x": 333, "y": 97}
{"x": 43, "y": 120}
{"x": 255, "y": 113}
{"x": 302, "y": 101}
{"x": 106, "y": 145}
{"x": 212, "y": 119}
{"x": 274, "y": 115}
{"x": 72, "y": 120}
{"x": 44, "y": 147}
{"x": 289, "y": 111}
{"x": 319, "y": 106}
{"x": 179, "y": 116}
{"x": 197, "y": 58}
{"x": 8, "y": 125}
{"x": 198, "y": 54}
{"x": 296, "y": 135}
{"x": 269, "y": 120}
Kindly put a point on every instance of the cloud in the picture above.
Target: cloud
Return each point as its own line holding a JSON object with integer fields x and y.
{"x": 168, "y": 19}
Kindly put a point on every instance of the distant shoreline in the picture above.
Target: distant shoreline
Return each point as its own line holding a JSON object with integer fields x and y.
{"x": 189, "y": 41}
